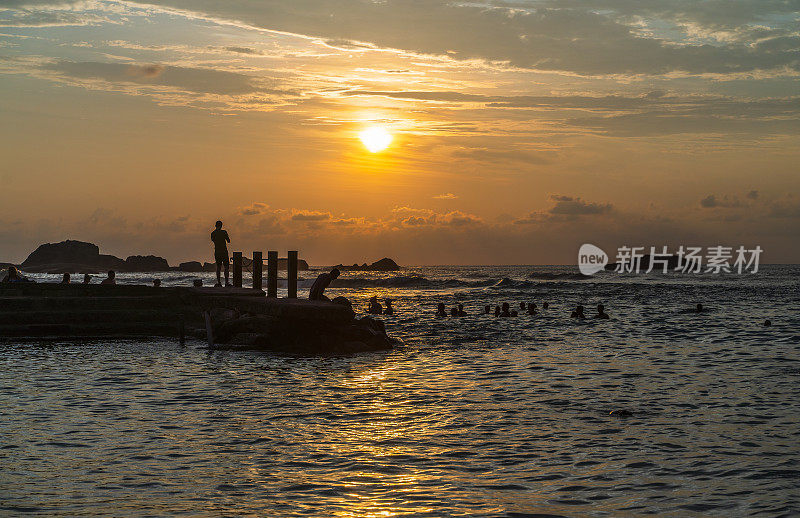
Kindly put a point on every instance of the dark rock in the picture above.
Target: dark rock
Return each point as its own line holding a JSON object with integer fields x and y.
{"x": 70, "y": 257}
{"x": 146, "y": 263}
{"x": 64, "y": 252}
{"x": 283, "y": 264}
{"x": 384, "y": 265}
{"x": 303, "y": 335}
{"x": 343, "y": 301}
{"x": 191, "y": 266}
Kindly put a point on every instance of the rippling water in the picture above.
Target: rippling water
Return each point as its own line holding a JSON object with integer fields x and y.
{"x": 473, "y": 416}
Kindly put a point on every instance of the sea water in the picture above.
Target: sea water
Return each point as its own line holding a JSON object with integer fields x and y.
{"x": 473, "y": 415}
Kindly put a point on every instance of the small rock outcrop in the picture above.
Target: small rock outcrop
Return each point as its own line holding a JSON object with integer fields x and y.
{"x": 383, "y": 265}
{"x": 190, "y": 266}
{"x": 146, "y": 263}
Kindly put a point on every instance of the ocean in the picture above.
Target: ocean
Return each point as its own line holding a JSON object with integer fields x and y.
{"x": 471, "y": 416}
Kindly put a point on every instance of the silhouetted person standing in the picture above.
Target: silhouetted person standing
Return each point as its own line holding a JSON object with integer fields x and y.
{"x": 221, "y": 240}
{"x": 87, "y": 278}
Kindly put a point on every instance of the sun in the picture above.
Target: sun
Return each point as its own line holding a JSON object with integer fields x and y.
{"x": 375, "y": 139}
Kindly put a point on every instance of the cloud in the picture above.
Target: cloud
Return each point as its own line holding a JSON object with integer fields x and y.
{"x": 198, "y": 80}
{"x": 36, "y": 18}
{"x": 788, "y": 209}
{"x": 254, "y": 209}
{"x": 445, "y": 196}
{"x": 310, "y": 215}
{"x": 504, "y": 155}
{"x": 205, "y": 88}
{"x": 568, "y": 205}
{"x": 579, "y": 37}
{"x": 564, "y": 208}
{"x": 460, "y": 219}
{"x": 146, "y": 71}
{"x": 711, "y": 201}
{"x": 243, "y": 50}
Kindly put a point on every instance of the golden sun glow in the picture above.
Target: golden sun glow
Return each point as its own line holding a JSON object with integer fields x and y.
{"x": 375, "y": 139}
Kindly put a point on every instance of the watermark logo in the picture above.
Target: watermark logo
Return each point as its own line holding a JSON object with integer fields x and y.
{"x": 591, "y": 259}
{"x": 686, "y": 259}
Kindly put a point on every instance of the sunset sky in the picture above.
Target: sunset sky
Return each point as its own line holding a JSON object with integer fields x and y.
{"x": 519, "y": 130}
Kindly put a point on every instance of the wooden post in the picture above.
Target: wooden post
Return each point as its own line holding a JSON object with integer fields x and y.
{"x": 291, "y": 273}
{"x": 258, "y": 264}
{"x": 272, "y": 274}
{"x": 237, "y": 269}
{"x": 209, "y": 330}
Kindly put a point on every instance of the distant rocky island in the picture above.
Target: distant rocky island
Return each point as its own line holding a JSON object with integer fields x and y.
{"x": 80, "y": 257}
{"x": 384, "y": 265}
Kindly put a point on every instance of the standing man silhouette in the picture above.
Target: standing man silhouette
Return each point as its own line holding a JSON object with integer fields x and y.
{"x": 221, "y": 240}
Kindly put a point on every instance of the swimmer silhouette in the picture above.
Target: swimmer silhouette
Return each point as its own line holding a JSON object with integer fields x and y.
{"x": 487, "y": 309}
{"x": 375, "y": 307}
{"x": 699, "y": 308}
{"x": 440, "y": 310}
{"x": 87, "y": 278}
{"x": 601, "y": 312}
{"x": 505, "y": 312}
{"x": 389, "y": 309}
{"x": 65, "y": 279}
{"x": 578, "y": 313}
{"x": 497, "y": 311}
{"x": 522, "y": 306}
{"x": 461, "y": 312}
{"x": 545, "y": 305}
{"x": 767, "y": 323}
{"x": 111, "y": 279}
{"x": 454, "y": 311}
{"x": 532, "y": 308}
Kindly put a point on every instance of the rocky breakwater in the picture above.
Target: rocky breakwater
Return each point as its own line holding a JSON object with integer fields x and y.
{"x": 294, "y": 326}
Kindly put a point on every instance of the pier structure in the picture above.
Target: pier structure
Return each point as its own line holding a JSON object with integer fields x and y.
{"x": 234, "y": 317}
